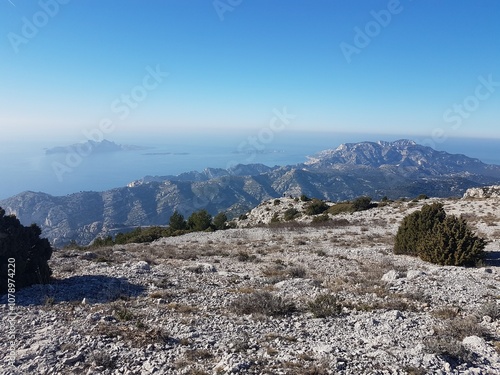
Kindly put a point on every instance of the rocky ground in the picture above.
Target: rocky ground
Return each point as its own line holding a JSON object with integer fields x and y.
{"x": 292, "y": 298}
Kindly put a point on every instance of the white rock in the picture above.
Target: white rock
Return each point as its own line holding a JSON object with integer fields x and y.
{"x": 391, "y": 276}
{"x": 414, "y": 274}
{"x": 478, "y": 345}
{"x": 324, "y": 348}
{"x": 201, "y": 268}
{"x": 483, "y": 192}
{"x": 141, "y": 266}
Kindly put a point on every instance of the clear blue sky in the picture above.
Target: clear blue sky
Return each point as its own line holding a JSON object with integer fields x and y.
{"x": 230, "y": 74}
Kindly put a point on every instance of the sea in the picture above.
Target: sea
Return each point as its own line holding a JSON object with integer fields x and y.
{"x": 26, "y": 167}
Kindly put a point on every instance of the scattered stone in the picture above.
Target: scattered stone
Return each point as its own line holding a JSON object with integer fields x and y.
{"x": 178, "y": 317}
{"x": 483, "y": 192}
{"x": 414, "y": 274}
{"x": 141, "y": 266}
{"x": 392, "y": 275}
{"x": 88, "y": 255}
{"x": 72, "y": 360}
{"x": 201, "y": 268}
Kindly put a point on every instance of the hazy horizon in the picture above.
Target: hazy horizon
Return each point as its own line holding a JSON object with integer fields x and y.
{"x": 222, "y": 74}
{"x": 30, "y": 169}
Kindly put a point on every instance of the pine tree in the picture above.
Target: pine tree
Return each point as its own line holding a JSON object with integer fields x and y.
{"x": 199, "y": 220}
{"x": 220, "y": 221}
{"x": 177, "y": 222}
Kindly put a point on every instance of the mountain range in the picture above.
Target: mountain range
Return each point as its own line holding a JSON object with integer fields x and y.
{"x": 377, "y": 169}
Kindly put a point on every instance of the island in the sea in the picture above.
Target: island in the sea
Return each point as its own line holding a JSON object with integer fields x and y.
{"x": 91, "y": 146}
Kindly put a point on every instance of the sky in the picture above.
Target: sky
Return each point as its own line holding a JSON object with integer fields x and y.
{"x": 136, "y": 68}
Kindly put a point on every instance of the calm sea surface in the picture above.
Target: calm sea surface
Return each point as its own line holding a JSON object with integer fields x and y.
{"x": 28, "y": 168}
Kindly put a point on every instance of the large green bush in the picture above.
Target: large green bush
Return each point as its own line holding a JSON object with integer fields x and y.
{"x": 438, "y": 238}
{"x": 26, "y": 250}
{"x": 452, "y": 243}
{"x": 416, "y": 226}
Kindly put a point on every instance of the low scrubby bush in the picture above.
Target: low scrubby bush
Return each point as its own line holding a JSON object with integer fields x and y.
{"x": 447, "y": 339}
{"x": 264, "y": 303}
{"x": 340, "y": 208}
{"x": 304, "y": 198}
{"x": 291, "y": 214}
{"x": 321, "y": 219}
{"x": 316, "y": 207}
{"x": 325, "y": 305}
{"x": 363, "y": 204}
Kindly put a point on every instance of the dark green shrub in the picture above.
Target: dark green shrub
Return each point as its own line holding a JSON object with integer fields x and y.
{"x": 362, "y": 204}
{"x": 341, "y": 208}
{"x": 177, "y": 222}
{"x": 104, "y": 241}
{"x": 291, "y": 214}
{"x": 275, "y": 218}
{"x": 277, "y": 202}
{"x": 231, "y": 225}
{"x": 417, "y": 226}
{"x": 316, "y": 207}
{"x": 452, "y": 243}
{"x": 439, "y": 239}
{"x": 220, "y": 221}
{"x": 138, "y": 235}
{"x": 199, "y": 221}
{"x": 304, "y": 198}
{"x": 321, "y": 218}
{"x": 243, "y": 217}
{"x": 22, "y": 247}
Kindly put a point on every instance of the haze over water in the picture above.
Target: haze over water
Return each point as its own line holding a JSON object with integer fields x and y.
{"x": 197, "y": 79}
{"x": 29, "y": 168}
